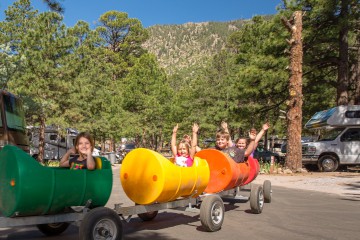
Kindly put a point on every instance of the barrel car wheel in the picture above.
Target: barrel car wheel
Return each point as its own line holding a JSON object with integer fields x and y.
{"x": 101, "y": 223}
{"x": 267, "y": 191}
{"x": 148, "y": 216}
{"x": 212, "y": 213}
{"x": 53, "y": 229}
{"x": 256, "y": 199}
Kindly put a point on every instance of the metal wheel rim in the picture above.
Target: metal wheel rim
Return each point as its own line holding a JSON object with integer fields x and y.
{"x": 328, "y": 164}
{"x": 261, "y": 199}
{"x": 105, "y": 229}
{"x": 216, "y": 213}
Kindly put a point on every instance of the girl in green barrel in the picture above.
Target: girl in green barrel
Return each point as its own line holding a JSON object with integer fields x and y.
{"x": 84, "y": 146}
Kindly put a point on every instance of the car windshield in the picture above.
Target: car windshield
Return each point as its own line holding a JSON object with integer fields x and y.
{"x": 129, "y": 146}
{"x": 330, "y": 134}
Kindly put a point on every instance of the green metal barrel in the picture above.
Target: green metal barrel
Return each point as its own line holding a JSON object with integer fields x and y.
{"x": 28, "y": 188}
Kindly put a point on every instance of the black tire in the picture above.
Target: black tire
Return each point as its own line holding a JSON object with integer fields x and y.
{"x": 53, "y": 229}
{"x": 328, "y": 163}
{"x": 212, "y": 213}
{"x": 101, "y": 223}
{"x": 267, "y": 191}
{"x": 312, "y": 167}
{"x": 148, "y": 216}
{"x": 256, "y": 199}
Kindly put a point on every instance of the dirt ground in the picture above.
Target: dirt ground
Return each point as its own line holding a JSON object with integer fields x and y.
{"x": 341, "y": 183}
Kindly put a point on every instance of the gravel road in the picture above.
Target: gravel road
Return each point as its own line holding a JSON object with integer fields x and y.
{"x": 346, "y": 184}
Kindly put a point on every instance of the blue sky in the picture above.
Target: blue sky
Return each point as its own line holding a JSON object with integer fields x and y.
{"x": 152, "y": 12}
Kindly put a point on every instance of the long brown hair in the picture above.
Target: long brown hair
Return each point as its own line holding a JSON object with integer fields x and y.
{"x": 86, "y": 135}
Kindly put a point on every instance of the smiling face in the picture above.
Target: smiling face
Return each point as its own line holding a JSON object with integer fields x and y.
{"x": 84, "y": 146}
{"x": 84, "y": 143}
{"x": 222, "y": 139}
{"x": 241, "y": 143}
{"x": 183, "y": 150}
{"x": 221, "y": 142}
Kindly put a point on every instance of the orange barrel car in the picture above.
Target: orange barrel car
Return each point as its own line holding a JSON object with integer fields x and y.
{"x": 148, "y": 177}
{"x": 225, "y": 173}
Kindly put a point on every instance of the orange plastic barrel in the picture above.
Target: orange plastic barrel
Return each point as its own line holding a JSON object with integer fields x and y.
{"x": 147, "y": 177}
{"x": 254, "y": 170}
{"x": 225, "y": 173}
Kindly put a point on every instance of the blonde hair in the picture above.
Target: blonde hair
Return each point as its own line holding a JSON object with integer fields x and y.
{"x": 186, "y": 143}
{"x": 223, "y": 134}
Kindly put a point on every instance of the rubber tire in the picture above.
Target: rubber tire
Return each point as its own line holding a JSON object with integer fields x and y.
{"x": 267, "y": 191}
{"x": 53, "y": 229}
{"x": 328, "y": 163}
{"x": 256, "y": 199}
{"x": 101, "y": 218}
{"x": 148, "y": 216}
{"x": 212, "y": 212}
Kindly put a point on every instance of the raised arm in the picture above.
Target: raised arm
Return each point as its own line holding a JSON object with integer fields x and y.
{"x": 250, "y": 148}
{"x": 264, "y": 128}
{"x": 194, "y": 140}
{"x": 90, "y": 162}
{"x": 224, "y": 126}
{"x": 173, "y": 140}
{"x": 64, "y": 162}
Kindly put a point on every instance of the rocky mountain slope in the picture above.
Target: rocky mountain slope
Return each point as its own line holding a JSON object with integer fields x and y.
{"x": 189, "y": 46}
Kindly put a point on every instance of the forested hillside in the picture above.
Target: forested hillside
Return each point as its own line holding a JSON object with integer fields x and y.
{"x": 182, "y": 48}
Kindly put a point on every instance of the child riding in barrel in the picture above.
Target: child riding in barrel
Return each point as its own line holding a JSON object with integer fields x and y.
{"x": 84, "y": 146}
{"x": 184, "y": 153}
{"x": 242, "y": 142}
{"x": 237, "y": 154}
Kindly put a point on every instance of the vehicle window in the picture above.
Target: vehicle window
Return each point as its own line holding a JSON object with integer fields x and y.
{"x": 53, "y": 137}
{"x": 277, "y": 145}
{"x": 130, "y": 146}
{"x": 14, "y": 113}
{"x": 352, "y": 134}
{"x": 1, "y": 123}
{"x": 352, "y": 114}
{"x": 331, "y": 134}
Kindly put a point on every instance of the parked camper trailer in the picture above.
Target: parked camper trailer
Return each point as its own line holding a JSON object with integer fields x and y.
{"x": 339, "y": 142}
{"x": 55, "y": 144}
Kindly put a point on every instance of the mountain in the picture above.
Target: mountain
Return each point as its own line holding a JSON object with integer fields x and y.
{"x": 189, "y": 46}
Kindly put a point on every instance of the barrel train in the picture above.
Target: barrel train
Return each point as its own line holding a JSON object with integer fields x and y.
{"x": 32, "y": 194}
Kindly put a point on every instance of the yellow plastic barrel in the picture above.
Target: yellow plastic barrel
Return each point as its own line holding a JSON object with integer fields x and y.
{"x": 148, "y": 177}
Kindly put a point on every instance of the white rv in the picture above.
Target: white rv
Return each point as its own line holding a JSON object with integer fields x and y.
{"x": 55, "y": 145}
{"x": 339, "y": 142}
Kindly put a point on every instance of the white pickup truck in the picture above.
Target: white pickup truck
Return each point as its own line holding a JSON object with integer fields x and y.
{"x": 339, "y": 142}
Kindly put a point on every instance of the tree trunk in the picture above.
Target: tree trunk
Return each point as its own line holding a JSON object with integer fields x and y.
{"x": 41, "y": 139}
{"x": 343, "y": 76}
{"x": 355, "y": 74}
{"x": 294, "y": 114}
